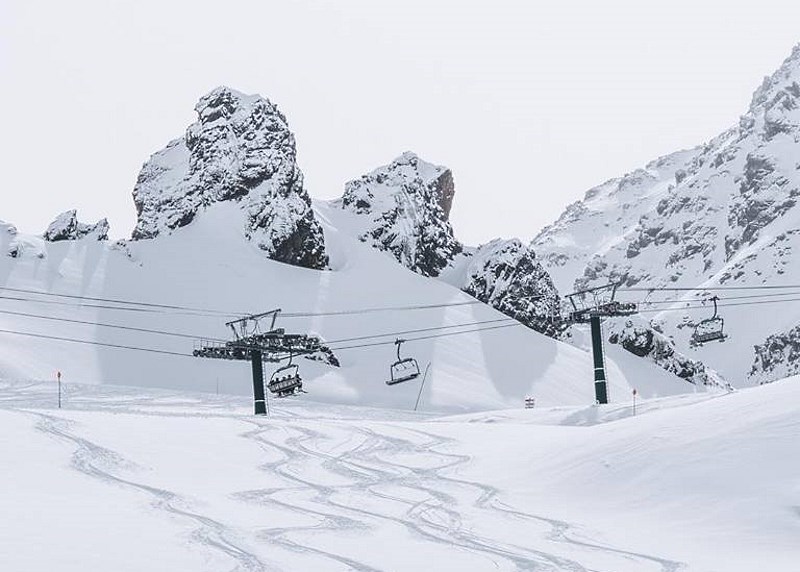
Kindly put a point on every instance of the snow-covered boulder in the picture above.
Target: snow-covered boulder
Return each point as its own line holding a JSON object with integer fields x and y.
{"x": 406, "y": 210}
{"x": 240, "y": 149}
{"x": 66, "y": 226}
{"x": 506, "y": 275}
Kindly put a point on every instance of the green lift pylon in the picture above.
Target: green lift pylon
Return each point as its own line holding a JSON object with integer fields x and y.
{"x": 259, "y": 399}
{"x": 590, "y": 306}
{"x": 600, "y": 385}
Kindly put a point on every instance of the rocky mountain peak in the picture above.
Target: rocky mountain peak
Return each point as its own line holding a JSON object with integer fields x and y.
{"x": 775, "y": 107}
{"x": 66, "y": 226}
{"x": 240, "y": 149}
{"x": 724, "y": 214}
{"x": 406, "y": 208}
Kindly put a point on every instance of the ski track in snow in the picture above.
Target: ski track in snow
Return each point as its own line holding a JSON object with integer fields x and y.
{"x": 98, "y": 462}
{"x": 430, "y": 519}
{"x": 383, "y": 474}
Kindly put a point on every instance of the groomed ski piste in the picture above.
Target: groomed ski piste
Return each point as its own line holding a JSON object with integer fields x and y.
{"x": 131, "y": 479}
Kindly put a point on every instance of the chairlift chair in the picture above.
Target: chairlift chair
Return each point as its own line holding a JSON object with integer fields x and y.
{"x": 286, "y": 380}
{"x": 403, "y": 369}
{"x": 710, "y": 329}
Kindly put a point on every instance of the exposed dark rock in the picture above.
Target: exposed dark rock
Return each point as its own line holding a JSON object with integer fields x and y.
{"x": 408, "y": 205}
{"x": 67, "y": 227}
{"x": 645, "y": 342}
{"x": 506, "y": 275}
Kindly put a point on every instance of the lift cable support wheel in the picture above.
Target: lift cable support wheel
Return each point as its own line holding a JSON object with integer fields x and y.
{"x": 599, "y": 301}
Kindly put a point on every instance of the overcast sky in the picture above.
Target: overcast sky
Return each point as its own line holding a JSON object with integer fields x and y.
{"x": 529, "y": 104}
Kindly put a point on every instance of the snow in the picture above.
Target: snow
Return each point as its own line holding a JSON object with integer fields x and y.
{"x": 187, "y": 481}
{"x": 722, "y": 214}
{"x": 209, "y": 265}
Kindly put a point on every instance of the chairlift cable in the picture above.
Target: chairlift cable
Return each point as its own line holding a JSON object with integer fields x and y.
{"x": 130, "y": 305}
{"x": 105, "y": 325}
{"x": 709, "y": 288}
{"x": 418, "y": 330}
{"x": 93, "y": 343}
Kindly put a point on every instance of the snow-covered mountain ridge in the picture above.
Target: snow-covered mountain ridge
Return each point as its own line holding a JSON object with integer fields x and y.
{"x": 403, "y": 209}
{"x": 200, "y": 243}
{"x": 722, "y": 214}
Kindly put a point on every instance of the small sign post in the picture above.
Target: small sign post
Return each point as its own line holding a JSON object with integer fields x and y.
{"x": 58, "y": 375}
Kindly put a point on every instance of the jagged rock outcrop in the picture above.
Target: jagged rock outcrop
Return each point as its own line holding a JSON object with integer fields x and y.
{"x": 403, "y": 208}
{"x": 18, "y": 245}
{"x": 644, "y": 342}
{"x": 724, "y": 214}
{"x": 777, "y": 357}
{"x": 406, "y": 209}
{"x": 506, "y": 275}
{"x": 67, "y": 227}
{"x": 239, "y": 150}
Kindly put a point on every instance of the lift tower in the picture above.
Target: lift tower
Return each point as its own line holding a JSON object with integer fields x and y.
{"x": 256, "y": 344}
{"x": 590, "y": 306}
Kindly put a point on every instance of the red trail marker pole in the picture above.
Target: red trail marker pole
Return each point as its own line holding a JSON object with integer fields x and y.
{"x": 634, "y": 402}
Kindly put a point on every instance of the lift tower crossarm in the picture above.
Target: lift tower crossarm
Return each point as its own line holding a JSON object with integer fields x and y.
{"x": 239, "y": 326}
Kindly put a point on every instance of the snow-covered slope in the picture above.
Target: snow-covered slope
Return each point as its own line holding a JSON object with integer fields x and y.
{"x": 206, "y": 266}
{"x": 123, "y": 479}
{"x": 723, "y": 214}
{"x": 239, "y": 150}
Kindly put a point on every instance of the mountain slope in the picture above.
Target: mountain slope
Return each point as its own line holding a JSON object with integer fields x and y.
{"x": 723, "y": 214}
{"x": 206, "y": 266}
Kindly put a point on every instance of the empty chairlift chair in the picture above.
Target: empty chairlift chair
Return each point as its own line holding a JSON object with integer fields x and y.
{"x": 403, "y": 369}
{"x": 286, "y": 380}
{"x": 711, "y": 329}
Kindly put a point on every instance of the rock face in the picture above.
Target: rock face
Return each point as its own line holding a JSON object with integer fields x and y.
{"x": 239, "y": 150}
{"x": 777, "y": 357}
{"x": 721, "y": 215}
{"x": 405, "y": 208}
{"x": 506, "y": 275}
{"x": 67, "y": 227}
{"x": 644, "y": 342}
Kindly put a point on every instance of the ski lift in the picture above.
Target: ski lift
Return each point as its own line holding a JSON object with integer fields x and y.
{"x": 403, "y": 369}
{"x": 286, "y": 380}
{"x": 710, "y": 329}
